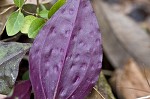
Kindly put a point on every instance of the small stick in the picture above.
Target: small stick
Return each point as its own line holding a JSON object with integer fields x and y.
{"x": 5, "y": 10}
{"x": 98, "y": 92}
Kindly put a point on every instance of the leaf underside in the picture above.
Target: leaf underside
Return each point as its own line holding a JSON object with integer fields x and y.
{"x": 66, "y": 56}
{"x": 21, "y": 91}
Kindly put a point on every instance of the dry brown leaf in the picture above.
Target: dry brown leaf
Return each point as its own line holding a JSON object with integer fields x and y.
{"x": 129, "y": 82}
{"x": 122, "y": 37}
{"x": 6, "y": 3}
{"x": 116, "y": 54}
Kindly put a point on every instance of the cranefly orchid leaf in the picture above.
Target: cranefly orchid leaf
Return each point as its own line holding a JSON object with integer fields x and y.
{"x": 66, "y": 57}
{"x": 21, "y": 91}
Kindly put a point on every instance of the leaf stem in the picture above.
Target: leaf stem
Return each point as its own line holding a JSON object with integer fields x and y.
{"x": 38, "y": 4}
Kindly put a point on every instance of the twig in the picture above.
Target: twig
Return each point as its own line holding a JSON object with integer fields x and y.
{"x": 5, "y": 10}
{"x": 98, "y": 92}
{"x": 38, "y": 4}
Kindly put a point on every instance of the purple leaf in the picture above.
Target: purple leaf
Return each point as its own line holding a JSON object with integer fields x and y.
{"x": 66, "y": 57}
{"x": 21, "y": 91}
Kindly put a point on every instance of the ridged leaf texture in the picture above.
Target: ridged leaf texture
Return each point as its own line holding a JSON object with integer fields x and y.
{"x": 66, "y": 57}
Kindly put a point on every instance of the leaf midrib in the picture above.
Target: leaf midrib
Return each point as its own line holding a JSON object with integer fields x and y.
{"x": 55, "y": 93}
{"x": 13, "y": 33}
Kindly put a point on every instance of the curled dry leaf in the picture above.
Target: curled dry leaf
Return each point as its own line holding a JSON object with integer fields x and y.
{"x": 10, "y": 57}
{"x": 66, "y": 56}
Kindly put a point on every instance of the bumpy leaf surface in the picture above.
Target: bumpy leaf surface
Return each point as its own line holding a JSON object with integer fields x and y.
{"x": 21, "y": 90}
{"x": 10, "y": 57}
{"x": 66, "y": 57}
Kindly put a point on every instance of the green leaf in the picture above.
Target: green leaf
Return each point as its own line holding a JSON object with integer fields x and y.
{"x": 35, "y": 26}
{"x": 14, "y": 23}
{"x": 27, "y": 22}
{"x": 19, "y": 3}
{"x": 26, "y": 76}
{"x": 42, "y": 7}
{"x": 44, "y": 14}
{"x": 55, "y": 7}
{"x": 11, "y": 54}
